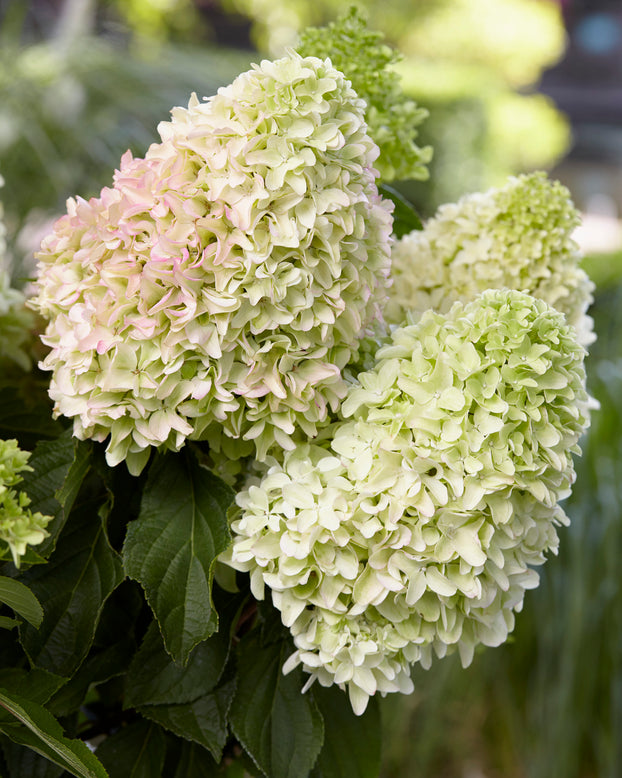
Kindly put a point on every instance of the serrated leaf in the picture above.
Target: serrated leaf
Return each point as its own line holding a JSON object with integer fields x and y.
{"x": 171, "y": 548}
{"x": 72, "y": 587}
{"x": 21, "y": 600}
{"x": 135, "y": 751}
{"x": 352, "y": 744}
{"x": 59, "y": 467}
{"x": 154, "y": 679}
{"x": 279, "y": 727}
{"x": 35, "y": 685}
{"x": 405, "y": 217}
{"x": 203, "y": 721}
{"x": 33, "y": 726}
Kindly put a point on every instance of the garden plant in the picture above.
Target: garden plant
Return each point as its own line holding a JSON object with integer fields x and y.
{"x": 271, "y": 446}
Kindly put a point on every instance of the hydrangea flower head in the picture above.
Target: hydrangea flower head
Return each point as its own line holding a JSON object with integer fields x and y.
{"x": 411, "y": 527}
{"x": 19, "y": 526}
{"x": 392, "y": 117}
{"x": 517, "y": 237}
{"x": 222, "y": 284}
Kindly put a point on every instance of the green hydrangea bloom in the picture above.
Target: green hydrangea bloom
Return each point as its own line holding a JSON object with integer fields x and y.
{"x": 19, "y": 526}
{"x": 517, "y": 237}
{"x": 411, "y": 527}
{"x": 392, "y": 117}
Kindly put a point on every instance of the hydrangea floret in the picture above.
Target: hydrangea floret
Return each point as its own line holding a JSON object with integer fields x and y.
{"x": 411, "y": 526}
{"x": 392, "y": 116}
{"x": 518, "y": 236}
{"x": 221, "y": 285}
{"x": 19, "y": 526}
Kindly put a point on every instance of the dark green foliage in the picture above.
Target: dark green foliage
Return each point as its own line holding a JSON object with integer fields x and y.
{"x": 203, "y": 721}
{"x": 280, "y": 728}
{"x": 58, "y": 470}
{"x": 98, "y": 668}
{"x": 351, "y": 744}
{"x": 72, "y": 587}
{"x": 28, "y": 724}
{"x": 135, "y": 751}
{"x": 21, "y": 600}
{"x": 26, "y": 414}
{"x": 155, "y": 679}
{"x": 23, "y": 761}
{"x": 171, "y": 548}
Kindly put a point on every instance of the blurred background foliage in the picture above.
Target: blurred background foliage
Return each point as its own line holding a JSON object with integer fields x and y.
{"x": 83, "y": 80}
{"x": 472, "y": 63}
{"x": 80, "y": 84}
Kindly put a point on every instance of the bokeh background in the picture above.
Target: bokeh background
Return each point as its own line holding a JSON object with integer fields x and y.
{"x": 511, "y": 86}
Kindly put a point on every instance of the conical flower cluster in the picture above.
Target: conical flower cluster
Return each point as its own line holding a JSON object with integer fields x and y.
{"x": 516, "y": 237}
{"x": 411, "y": 526}
{"x": 219, "y": 288}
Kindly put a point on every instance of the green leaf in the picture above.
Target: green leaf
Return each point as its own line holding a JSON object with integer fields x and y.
{"x": 135, "y": 751}
{"x": 59, "y": 467}
{"x": 203, "y": 721}
{"x": 31, "y": 725}
{"x": 352, "y": 744}
{"x": 100, "y": 666}
{"x": 72, "y": 587}
{"x": 279, "y": 727}
{"x": 7, "y": 623}
{"x": 24, "y": 762}
{"x": 21, "y": 600}
{"x": 35, "y": 685}
{"x": 26, "y": 414}
{"x": 154, "y": 679}
{"x": 405, "y": 218}
{"x": 170, "y": 549}
{"x": 196, "y": 762}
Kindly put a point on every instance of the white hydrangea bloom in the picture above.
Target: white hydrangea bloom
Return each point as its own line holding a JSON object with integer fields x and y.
{"x": 411, "y": 527}
{"x": 223, "y": 283}
{"x": 516, "y": 237}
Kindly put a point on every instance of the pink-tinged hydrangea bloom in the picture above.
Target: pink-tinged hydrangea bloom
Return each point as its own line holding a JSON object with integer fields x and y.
{"x": 221, "y": 285}
{"x": 516, "y": 237}
{"x": 411, "y": 527}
